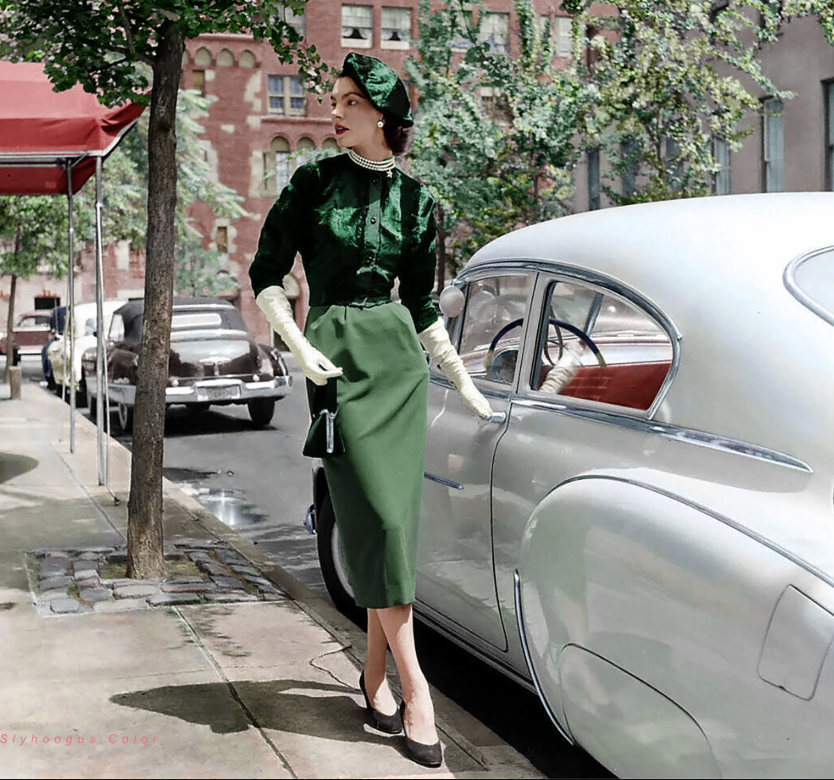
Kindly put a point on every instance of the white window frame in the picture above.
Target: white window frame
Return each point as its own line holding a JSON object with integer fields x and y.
{"x": 287, "y": 95}
{"x": 297, "y": 21}
{"x": 562, "y": 36}
{"x": 390, "y": 25}
{"x": 494, "y": 26}
{"x": 352, "y": 14}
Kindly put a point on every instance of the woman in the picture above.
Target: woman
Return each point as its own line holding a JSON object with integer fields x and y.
{"x": 360, "y": 223}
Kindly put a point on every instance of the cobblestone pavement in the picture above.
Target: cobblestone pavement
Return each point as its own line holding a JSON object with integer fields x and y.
{"x": 92, "y": 579}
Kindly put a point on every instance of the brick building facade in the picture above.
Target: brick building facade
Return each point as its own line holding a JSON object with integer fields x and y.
{"x": 261, "y": 122}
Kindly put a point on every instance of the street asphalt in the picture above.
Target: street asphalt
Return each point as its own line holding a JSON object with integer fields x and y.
{"x": 233, "y": 674}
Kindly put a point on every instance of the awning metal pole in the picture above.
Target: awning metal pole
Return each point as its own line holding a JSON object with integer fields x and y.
{"x": 101, "y": 381}
{"x": 69, "y": 322}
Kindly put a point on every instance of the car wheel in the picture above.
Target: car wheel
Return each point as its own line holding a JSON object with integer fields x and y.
{"x": 125, "y": 418}
{"x": 91, "y": 405}
{"x": 261, "y": 411}
{"x": 332, "y": 563}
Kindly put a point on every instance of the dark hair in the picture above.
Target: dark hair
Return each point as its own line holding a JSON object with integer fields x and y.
{"x": 397, "y": 136}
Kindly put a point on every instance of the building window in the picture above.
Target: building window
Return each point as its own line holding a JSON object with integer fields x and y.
{"x": 222, "y": 243}
{"x": 303, "y": 149}
{"x": 225, "y": 59}
{"x": 247, "y": 59}
{"x": 495, "y": 30}
{"x": 562, "y": 33}
{"x": 722, "y": 159}
{"x": 628, "y": 155}
{"x": 773, "y": 146}
{"x": 277, "y": 165}
{"x": 829, "y": 134}
{"x": 202, "y": 58}
{"x": 357, "y": 26}
{"x": 396, "y": 28}
{"x": 296, "y": 21}
{"x": 330, "y": 145}
{"x": 286, "y": 95}
{"x": 496, "y": 106}
{"x": 594, "y": 201}
{"x": 198, "y": 81}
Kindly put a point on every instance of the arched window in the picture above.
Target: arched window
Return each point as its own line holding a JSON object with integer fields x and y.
{"x": 280, "y": 149}
{"x": 247, "y": 59}
{"x": 202, "y": 59}
{"x": 225, "y": 59}
{"x": 184, "y": 57}
{"x": 303, "y": 147}
{"x": 330, "y": 145}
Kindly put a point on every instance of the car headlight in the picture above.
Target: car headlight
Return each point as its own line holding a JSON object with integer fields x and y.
{"x": 264, "y": 366}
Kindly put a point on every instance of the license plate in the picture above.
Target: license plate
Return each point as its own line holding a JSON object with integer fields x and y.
{"x": 223, "y": 393}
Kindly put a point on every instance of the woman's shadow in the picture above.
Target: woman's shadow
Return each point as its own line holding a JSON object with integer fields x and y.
{"x": 300, "y": 706}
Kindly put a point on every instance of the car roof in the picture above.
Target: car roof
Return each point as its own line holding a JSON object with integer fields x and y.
{"x": 697, "y": 244}
{"x": 132, "y": 312}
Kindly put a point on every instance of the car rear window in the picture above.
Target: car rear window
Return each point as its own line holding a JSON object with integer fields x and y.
{"x": 197, "y": 319}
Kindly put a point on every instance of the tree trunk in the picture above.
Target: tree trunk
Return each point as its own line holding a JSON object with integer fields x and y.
{"x": 441, "y": 247}
{"x": 144, "y": 525}
{"x": 10, "y": 329}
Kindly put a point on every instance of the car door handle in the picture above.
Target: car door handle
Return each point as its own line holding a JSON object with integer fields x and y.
{"x": 497, "y": 417}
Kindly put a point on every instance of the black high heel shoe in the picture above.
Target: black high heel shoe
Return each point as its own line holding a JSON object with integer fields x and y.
{"x": 426, "y": 755}
{"x": 389, "y": 724}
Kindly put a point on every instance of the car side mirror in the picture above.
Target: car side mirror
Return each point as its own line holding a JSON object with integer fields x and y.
{"x": 451, "y": 301}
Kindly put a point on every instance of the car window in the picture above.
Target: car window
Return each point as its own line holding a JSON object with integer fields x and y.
{"x": 202, "y": 319}
{"x": 491, "y": 325}
{"x": 117, "y": 328}
{"x": 595, "y": 345}
{"x": 33, "y": 322}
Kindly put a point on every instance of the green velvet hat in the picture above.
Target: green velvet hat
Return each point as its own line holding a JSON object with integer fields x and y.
{"x": 381, "y": 85}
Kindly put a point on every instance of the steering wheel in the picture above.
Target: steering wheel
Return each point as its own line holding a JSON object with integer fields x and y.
{"x": 490, "y": 355}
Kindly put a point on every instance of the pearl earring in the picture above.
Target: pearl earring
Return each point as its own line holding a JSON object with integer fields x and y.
{"x": 380, "y": 124}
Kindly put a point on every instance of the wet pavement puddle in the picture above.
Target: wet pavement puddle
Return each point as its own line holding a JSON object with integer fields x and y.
{"x": 224, "y": 503}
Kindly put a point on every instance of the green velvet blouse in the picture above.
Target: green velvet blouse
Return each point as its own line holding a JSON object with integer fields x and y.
{"x": 356, "y": 230}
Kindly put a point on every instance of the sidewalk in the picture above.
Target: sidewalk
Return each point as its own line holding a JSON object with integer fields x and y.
{"x": 240, "y": 689}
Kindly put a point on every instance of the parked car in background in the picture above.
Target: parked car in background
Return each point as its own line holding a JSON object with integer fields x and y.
{"x": 214, "y": 360}
{"x": 57, "y": 321}
{"x": 31, "y": 332}
{"x": 647, "y": 543}
{"x": 82, "y": 325}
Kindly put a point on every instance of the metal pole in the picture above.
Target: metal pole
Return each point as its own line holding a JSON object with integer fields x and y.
{"x": 70, "y": 319}
{"x": 101, "y": 380}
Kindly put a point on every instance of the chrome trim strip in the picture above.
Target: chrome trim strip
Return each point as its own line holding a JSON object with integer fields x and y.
{"x": 672, "y": 432}
{"x": 528, "y": 660}
{"x": 789, "y": 279}
{"x": 763, "y": 540}
{"x": 442, "y": 481}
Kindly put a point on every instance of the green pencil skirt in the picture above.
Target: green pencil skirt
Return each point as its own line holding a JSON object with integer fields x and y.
{"x": 376, "y": 484}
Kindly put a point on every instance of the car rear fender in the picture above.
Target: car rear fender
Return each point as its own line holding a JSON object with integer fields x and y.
{"x": 608, "y": 576}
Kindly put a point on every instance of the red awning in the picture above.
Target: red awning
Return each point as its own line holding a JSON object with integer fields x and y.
{"x": 40, "y": 130}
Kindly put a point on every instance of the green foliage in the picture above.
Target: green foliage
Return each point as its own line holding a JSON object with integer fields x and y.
{"x": 670, "y": 79}
{"x": 494, "y": 135}
{"x": 33, "y": 235}
{"x": 98, "y": 43}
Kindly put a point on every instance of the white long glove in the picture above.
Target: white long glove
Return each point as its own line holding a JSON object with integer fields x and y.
{"x": 561, "y": 374}
{"x": 316, "y": 367}
{"x": 436, "y": 341}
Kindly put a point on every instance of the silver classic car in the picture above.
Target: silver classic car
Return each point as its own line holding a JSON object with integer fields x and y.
{"x": 646, "y": 535}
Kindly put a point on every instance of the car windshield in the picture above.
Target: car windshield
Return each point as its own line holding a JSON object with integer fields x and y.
{"x": 811, "y": 280}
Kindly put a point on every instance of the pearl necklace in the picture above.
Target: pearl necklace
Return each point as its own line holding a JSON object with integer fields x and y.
{"x": 373, "y": 165}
